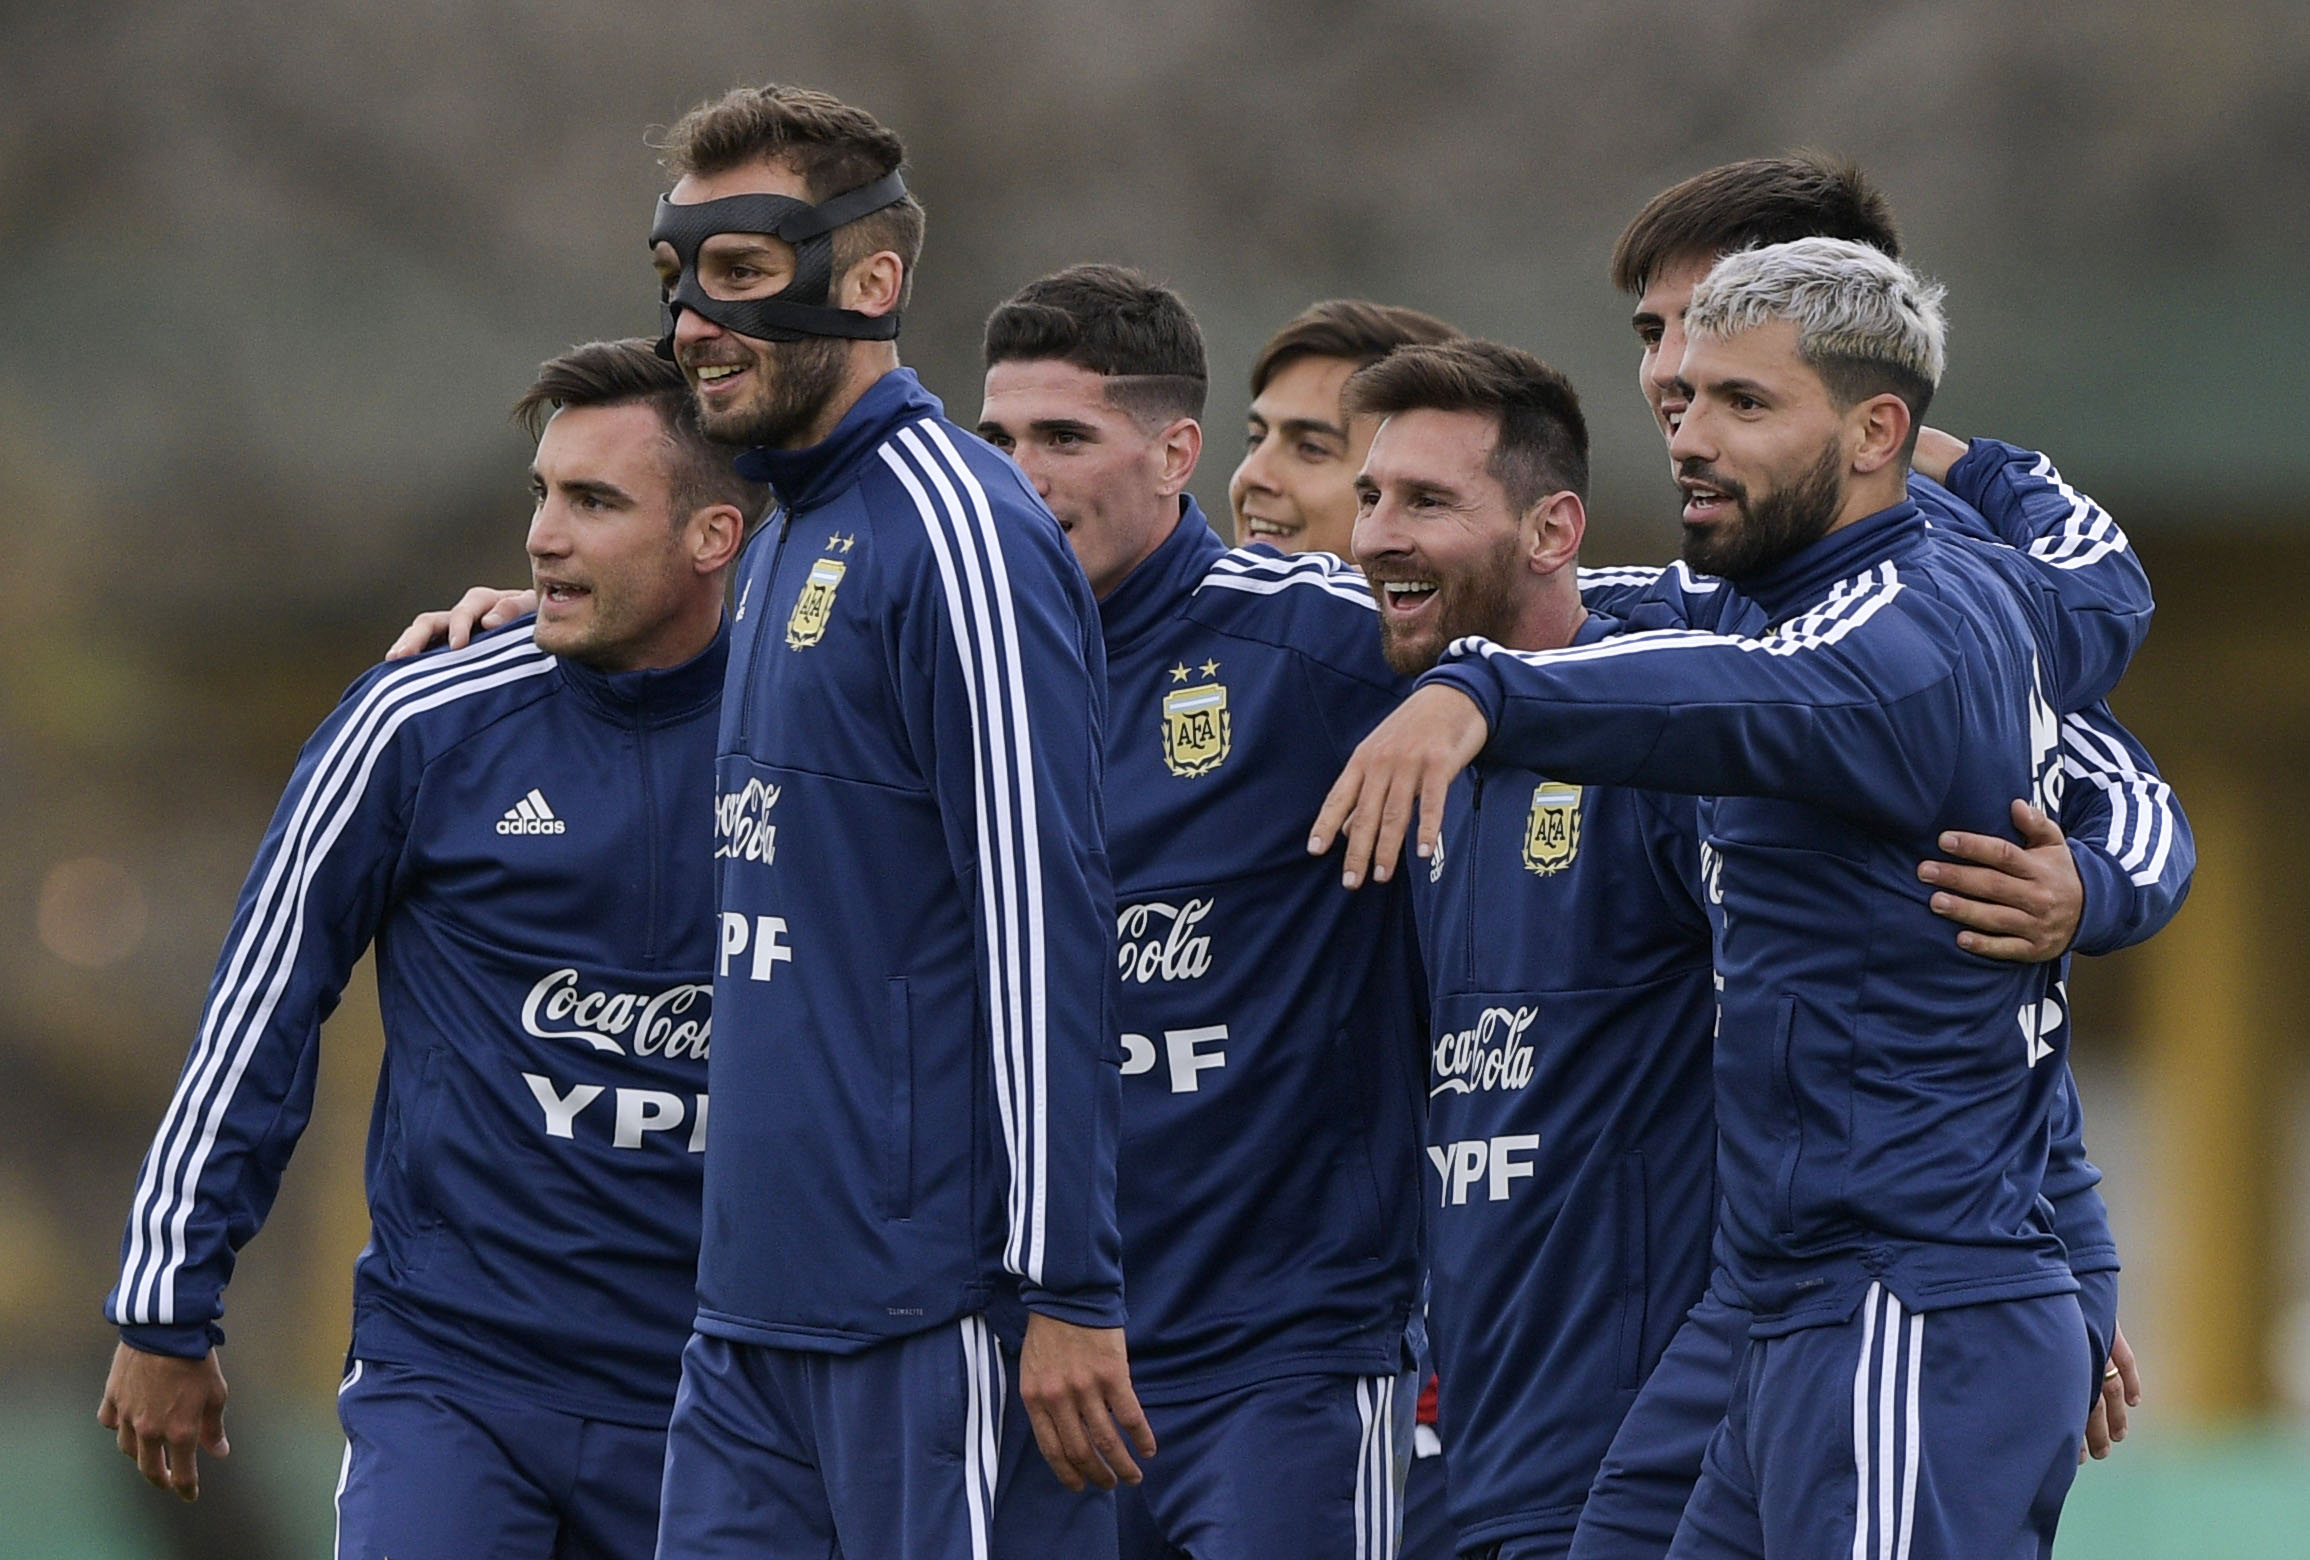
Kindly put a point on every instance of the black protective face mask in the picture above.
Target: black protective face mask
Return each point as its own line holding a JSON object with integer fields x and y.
{"x": 799, "y": 308}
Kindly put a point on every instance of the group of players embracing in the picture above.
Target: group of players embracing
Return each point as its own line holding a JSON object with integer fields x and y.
{"x": 1103, "y": 1165}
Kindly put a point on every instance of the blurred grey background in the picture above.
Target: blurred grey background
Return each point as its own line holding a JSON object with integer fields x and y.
{"x": 269, "y": 277}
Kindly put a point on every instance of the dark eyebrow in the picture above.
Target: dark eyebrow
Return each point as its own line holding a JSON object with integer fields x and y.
{"x": 1291, "y": 425}
{"x": 1063, "y": 425}
{"x": 1644, "y": 317}
{"x": 584, "y": 487}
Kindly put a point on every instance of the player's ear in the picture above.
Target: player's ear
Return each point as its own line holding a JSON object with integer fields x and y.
{"x": 716, "y": 534}
{"x": 1553, "y": 529}
{"x": 1881, "y": 426}
{"x": 1182, "y": 448}
{"x": 873, "y": 285}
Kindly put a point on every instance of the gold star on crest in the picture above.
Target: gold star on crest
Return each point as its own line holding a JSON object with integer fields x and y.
{"x": 1211, "y": 668}
{"x": 844, "y": 543}
{"x": 1179, "y": 672}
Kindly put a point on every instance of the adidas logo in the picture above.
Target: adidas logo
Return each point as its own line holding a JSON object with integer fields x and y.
{"x": 530, "y": 815}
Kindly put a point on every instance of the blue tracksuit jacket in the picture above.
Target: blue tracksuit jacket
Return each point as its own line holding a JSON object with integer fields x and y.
{"x": 526, "y": 842}
{"x": 2130, "y": 840}
{"x": 1272, "y": 1024}
{"x": 915, "y": 966}
{"x": 1904, "y": 690}
{"x": 1572, "y": 1186}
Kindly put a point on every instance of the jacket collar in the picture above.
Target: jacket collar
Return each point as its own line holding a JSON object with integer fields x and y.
{"x": 655, "y": 695}
{"x": 807, "y": 477}
{"x": 1151, "y": 593}
{"x": 1805, "y": 575}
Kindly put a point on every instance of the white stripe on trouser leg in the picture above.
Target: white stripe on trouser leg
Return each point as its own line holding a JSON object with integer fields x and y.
{"x": 1888, "y": 1374}
{"x": 1390, "y": 1528}
{"x": 1909, "y": 1466}
{"x": 1861, "y": 1425}
{"x": 978, "y": 1444}
{"x": 344, "y": 1469}
{"x": 1363, "y": 1468}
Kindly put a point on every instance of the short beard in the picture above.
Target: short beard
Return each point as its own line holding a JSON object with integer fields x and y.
{"x": 1786, "y": 520}
{"x": 798, "y": 379}
{"x": 1483, "y": 603}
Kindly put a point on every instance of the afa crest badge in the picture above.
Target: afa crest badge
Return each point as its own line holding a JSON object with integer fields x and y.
{"x": 814, "y": 608}
{"x": 1552, "y": 831}
{"x": 1195, "y": 724}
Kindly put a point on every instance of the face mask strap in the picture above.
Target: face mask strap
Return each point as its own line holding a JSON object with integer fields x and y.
{"x": 799, "y": 308}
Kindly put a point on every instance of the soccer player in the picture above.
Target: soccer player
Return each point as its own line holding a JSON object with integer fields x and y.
{"x": 1918, "y": 1367}
{"x": 909, "y": 1191}
{"x": 2140, "y": 866}
{"x": 1570, "y": 1131}
{"x": 1295, "y": 488}
{"x": 513, "y": 826}
{"x": 1269, "y": 1167}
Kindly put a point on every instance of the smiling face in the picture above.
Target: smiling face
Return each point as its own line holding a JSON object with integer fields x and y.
{"x": 618, "y": 579}
{"x": 1296, "y": 487}
{"x": 1761, "y": 451}
{"x": 751, "y": 392}
{"x": 1438, "y": 537}
{"x": 1113, "y": 482}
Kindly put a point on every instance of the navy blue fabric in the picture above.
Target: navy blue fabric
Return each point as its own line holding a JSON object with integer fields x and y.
{"x": 1655, "y": 1457}
{"x": 1271, "y": 1022}
{"x": 434, "y": 1472}
{"x": 1948, "y": 1435}
{"x": 915, "y": 978}
{"x": 523, "y": 840}
{"x": 1300, "y": 1468}
{"x": 1428, "y": 1530}
{"x": 1570, "y": 1134}
{"x": 1904, "y": 691}
{"x": 917, "y": 1447}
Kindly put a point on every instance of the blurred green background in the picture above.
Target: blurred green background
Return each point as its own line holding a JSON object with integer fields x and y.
{"x": 269, "y": 278}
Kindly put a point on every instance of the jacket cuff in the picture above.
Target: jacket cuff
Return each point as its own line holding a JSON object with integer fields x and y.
{"x": 1469, "y": 675}
{"x": 2102, "y": 922}
{"x": 1076, "y": 1310}
{"x": 185, "y": 1340}
{"x": 1969, "y": 477}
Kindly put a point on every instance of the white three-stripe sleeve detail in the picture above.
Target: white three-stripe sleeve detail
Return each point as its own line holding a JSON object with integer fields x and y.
{"x": 244, "y": 1001}
{"x": 972, "y": 645}
{"x": 1851, "y": 604}
{"x": 1258, "y": 585}
{"x": 2142, "y": 828}
{"x": 1030, "y": 852}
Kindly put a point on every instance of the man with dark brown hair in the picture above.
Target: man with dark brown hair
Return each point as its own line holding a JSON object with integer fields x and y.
{"x": 1659, "y": 259}
{"x": 1568, "y": 962}
{"x": 513, "y": 825}
{"x": 910, "y": 1187}
{"x": 1295, "y": 488}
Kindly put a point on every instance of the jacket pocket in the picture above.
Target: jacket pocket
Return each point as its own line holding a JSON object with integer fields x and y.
{"x": 1355, "y": 1112}
{"x": 1791, "y": 1119}
{"x": 1635, "y": 1207}
{"x": 896, "y": 1183}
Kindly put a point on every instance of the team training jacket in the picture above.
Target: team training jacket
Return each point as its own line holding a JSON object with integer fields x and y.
{"x": 1571, "y": 1140}
{"x": 1905, "y": 687}
{"x": 1271, "y": 1022}
{"x": 526, "y": 842}
{"x": 2129, "y": 838}
{"x": 915, "y": 973}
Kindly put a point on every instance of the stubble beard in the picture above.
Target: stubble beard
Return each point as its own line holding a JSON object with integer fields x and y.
{"x": 1482, "y": 602}
{"x": 797, "y": 379}
{"x": 1786, "y": 520}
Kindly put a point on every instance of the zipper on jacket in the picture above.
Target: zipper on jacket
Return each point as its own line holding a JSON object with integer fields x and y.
{"x": 651, "y": 846}
{"x": 754, "y": 650}
{"x": 1475, "y": 858}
